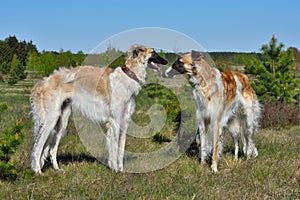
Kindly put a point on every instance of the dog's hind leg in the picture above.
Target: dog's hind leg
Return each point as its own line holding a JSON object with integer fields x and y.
{"x": 198, "y": 141}
{"x": 41, "y": 138}
{"x": 40, "y": 142}
{"x": 234, "y": 130}
{"x": 45, "y": 153}
{"x": 61, "y": 127}
{"x": 243, "y": 135}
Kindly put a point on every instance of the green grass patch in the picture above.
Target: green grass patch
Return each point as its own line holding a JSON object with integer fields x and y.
{"x": 274, "y": 174}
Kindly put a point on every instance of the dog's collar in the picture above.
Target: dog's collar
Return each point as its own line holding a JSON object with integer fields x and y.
{"x": 130, "y": 73}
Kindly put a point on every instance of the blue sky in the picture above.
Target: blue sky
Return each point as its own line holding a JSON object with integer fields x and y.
{"x": 217, "y": 25}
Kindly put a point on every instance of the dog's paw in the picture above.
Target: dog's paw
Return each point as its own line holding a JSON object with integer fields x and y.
{"x": 255, "y": 153}
{"x": 60, "y": 170}
{"x": 37, "y": 171}
{"x": 121, "y": 170}
{"x": 214, "y": 168}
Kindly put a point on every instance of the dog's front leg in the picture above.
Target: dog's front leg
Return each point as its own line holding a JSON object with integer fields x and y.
{"x": 201, "y": 135}
{"x": 128, "y": 111}
{"x": 121, "y": 150}
{"x": 216, "y": 130}
{"x": 112, "y": 143}
{"x": 202, "y": 142}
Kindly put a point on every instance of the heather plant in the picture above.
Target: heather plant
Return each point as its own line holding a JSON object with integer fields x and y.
{"x": 280, "y": 115}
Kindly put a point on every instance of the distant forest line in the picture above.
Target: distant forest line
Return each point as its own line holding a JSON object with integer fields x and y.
{"x": 44, "y": 62}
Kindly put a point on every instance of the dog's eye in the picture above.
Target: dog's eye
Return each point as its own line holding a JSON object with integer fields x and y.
{"x": 140, "y": 49}
{"x": 135, "y": 52}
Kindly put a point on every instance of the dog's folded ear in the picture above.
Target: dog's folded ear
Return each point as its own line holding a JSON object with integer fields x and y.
{"x": 196, "y": 55}
{"x": 136, "y": 51}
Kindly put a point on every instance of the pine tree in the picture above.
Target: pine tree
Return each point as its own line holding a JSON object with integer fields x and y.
{"x": 17, "y": 71}
{"x": 275, "y": 78}
{"x": 12, "y": 77}
{"x": 11, "y": 46}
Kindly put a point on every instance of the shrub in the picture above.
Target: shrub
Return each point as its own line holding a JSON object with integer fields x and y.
{"x": 12, "y": 78}
{"x": 280, "y": 115}
{"x": 166, "y": 98}
{"x": 3, "y": 107}
{"x": 157, "y": 94}
{"x": 1, "y": 77}
{"x": 160, "y": 138}
{"x": 10, "y": 139}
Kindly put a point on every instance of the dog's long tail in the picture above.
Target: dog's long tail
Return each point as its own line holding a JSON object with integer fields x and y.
{"x": 41, "y": 95}
{"x": 256, "y": 116}
{"x": 37, "y": 108}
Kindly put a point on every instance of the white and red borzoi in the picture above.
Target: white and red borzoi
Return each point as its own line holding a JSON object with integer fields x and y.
{"x": 103, "y": 95}
{"x": 223, "y": 99}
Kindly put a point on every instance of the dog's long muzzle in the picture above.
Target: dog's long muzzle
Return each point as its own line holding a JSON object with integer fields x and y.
{"x": 156, "y": 59}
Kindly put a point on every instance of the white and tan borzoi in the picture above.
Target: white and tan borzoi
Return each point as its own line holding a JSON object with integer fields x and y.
{"x": 223, "y": 99}
{"x": 103, "y": 95}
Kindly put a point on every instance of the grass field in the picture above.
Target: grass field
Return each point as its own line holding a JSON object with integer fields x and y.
{"x": 274, "y": 174}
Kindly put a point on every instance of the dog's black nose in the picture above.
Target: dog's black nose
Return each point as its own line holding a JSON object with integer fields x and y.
{"x": 157, "y": 59}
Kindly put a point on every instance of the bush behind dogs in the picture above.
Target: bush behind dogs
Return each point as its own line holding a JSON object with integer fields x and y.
{"x": 280, "y": 115}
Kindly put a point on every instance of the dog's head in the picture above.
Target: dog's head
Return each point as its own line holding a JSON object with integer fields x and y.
{"x": 185, "y": 65}
{"x": 146, "y": 56}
